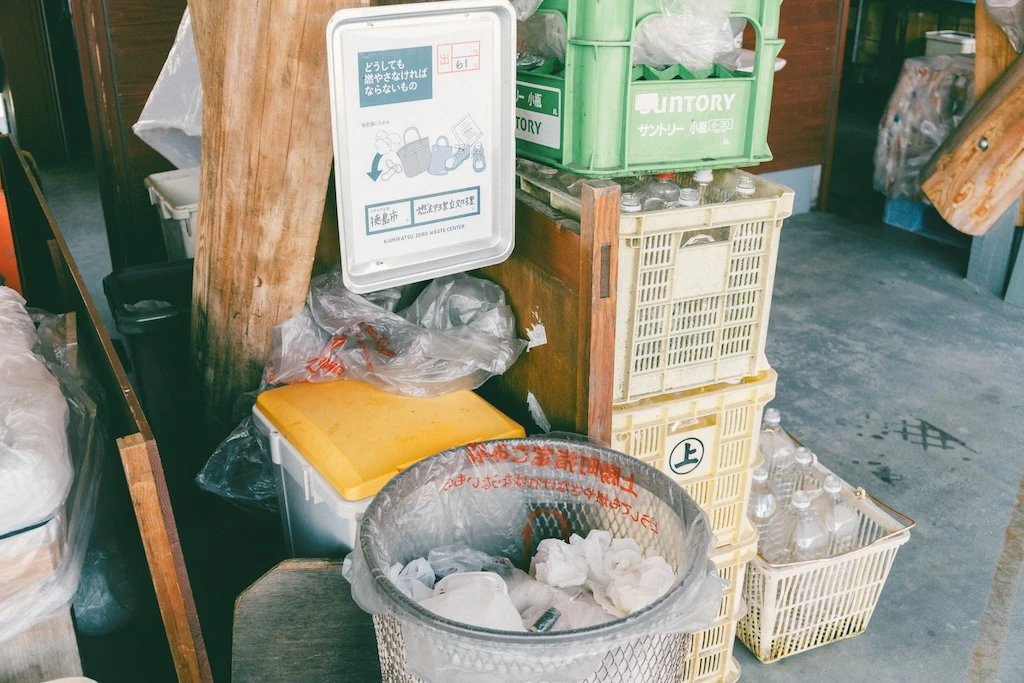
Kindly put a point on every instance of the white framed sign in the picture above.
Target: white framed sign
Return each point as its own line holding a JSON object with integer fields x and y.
{"x": 422, "y": 109}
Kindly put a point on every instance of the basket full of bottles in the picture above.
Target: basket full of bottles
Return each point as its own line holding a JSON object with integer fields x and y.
{"x": 824, "y": 552}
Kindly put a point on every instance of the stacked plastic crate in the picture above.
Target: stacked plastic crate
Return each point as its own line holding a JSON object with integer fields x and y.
{"x": 694, "y": 282}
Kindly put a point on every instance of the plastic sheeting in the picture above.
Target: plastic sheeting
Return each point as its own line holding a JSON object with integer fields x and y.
{"x": 40, "y": 566}
{"x": 692, "y": 33}
{"x": 172, "y": 120}
{"x": 456, "y": 334}
{"x": 931, "y": 98}
{"x": 502, "y": 498}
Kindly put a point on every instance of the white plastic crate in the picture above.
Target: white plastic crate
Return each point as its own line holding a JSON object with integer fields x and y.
{"x": 694, "y": 288}
{"x": 710, "y": 659}
{"x": 706, "y": 440}
{"x": 731, "y": 562}
{"x": 948, "y": 43}
{"x": 796, "y": 607}
{"x": 176, "y": 196}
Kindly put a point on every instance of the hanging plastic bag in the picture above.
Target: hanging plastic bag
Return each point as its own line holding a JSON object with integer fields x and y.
{"x": 1009, "y": 14}
{"x": 457, "y": 334}
{"x": 525, "y": 8}
{"x": 688, "y": 32}
{"x": 172, "y": 120}
{"x": 542, "y": 37}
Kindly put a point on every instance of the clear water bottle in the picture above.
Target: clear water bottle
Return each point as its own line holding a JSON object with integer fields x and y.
{"x": 783, "y": 474}
{"x": 807, "y": 477}
{"x": 689, "y": 196}
{"x": 773, "y": 436}
{"x": 840, "y": 517}
{"x": 767, "y": 516}
{"x": 661, "y": 192}
{"x": 809, "y": 539}
{"x": 629, "y": 202}
{"x": 745, "y": 187}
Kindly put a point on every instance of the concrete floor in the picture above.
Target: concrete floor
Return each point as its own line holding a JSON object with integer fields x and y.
{"x": 906, "y": 380}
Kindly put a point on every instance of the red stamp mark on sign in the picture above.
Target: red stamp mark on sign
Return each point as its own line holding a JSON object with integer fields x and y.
{"x": 458, "y": 57}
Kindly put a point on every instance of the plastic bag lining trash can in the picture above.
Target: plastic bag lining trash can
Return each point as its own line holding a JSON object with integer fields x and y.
{"x": 503, "y": 497}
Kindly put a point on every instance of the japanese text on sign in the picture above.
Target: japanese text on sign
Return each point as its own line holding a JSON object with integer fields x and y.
{"x": 417, "y": 211}
{"x": 390, "y": 76}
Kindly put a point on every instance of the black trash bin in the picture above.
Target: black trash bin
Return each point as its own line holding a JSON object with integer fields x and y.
{"x": 157, "y": 341}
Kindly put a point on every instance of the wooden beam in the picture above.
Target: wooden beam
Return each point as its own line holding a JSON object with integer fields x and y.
{"x": 978, "y": 172}
{"x": 266, "y": 160}
{"x": 993, "y": 56}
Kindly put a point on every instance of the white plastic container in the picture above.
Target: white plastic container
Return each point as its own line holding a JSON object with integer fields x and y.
{"x": 948, "y": 43}
{"x": 176, "y": 196}
{"x": 694, "y": 287}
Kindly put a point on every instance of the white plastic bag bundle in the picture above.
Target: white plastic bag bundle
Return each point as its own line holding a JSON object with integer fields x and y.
{"x": 688, "y": 32}
{"x": 172, "y": 120}
{"x": 1009, "y": 14}
{"x": 525, "y": 8}
{"x": 543, "y": 36}
{"x": 17, "y": 332}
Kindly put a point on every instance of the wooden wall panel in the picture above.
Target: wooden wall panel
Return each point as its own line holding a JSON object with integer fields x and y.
{"x": 806, "y": 91}
{"x": 122, "y": 47}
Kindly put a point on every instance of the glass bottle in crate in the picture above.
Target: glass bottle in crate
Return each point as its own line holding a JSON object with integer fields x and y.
{"x": 809, "y": 537}
{"x": 807, "y": 477}
{"x": 839, "y": 516}
{"x": 767, "y": 516}
{"x": 773, "y": 436}
{"x": 661, "y": 192}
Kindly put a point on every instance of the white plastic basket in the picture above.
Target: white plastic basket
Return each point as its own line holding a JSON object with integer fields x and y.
{"x": 796, "y": 607}
{"x": 706, "y": 440}
{"x": 176, "y": 196}
{"x": 694, "y": 288}
{"x": 710, "y": 658}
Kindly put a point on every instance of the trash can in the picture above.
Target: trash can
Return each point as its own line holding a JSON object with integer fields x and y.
{"x": 156, "y": 336}
{"x": 503, "y": 497}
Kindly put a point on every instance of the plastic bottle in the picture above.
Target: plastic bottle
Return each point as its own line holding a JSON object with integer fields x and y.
{"x": 807, "y": 477}
{"x": 688, "y": 196}
{"x": 661, "y": 192}
{"x": 839, "y": 516}
{"x": 767, "y": 516}
{"x": 809, "y": 539}
{"x": 629, "y": 202}
{"x": 773, "y": 436}
{"x": 782, "y": 471}
{"x": 745, "y": 188}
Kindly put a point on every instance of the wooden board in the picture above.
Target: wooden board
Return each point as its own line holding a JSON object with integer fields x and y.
{"x": 299, "y": 623}
{"x": 978, "y": 172}
{"x": 34, "y": 227}
{"x": 993, "y": 56}
{"x": 562, "y": 275}
{"x": 44, "y": 652}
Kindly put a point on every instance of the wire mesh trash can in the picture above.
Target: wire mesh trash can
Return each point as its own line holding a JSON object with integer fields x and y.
{"x": 504, "y": 497}
{"x": 796, "y": 607}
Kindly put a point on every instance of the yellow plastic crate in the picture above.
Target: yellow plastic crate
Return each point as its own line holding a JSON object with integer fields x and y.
{"x": 706, "y": 440}
{"x": 796, "y": 607}
{"x": 695, "y": 285}
{"x": 710, "y": 659}
{"x": 731, "y": 562}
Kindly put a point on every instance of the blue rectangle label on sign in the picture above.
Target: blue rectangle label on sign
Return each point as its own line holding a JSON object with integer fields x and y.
{"x": 394, "y": 76}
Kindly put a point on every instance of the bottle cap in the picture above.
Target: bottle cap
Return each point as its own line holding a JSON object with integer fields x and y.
{"x": 629, "y": 203}
{"x": 804, "y": 456}
{"x": 801, "y": 501}
{"x": 688, "y": 196}
{"x": 745, "y": 185}
{"x": 547, "y": 171}
{"x": 833, "y": 484}
{"x": 665, "y": 176}
{"x": 760, "y": 475}
{"x": 703, "y": 176}
{"x": 772, "y": 417}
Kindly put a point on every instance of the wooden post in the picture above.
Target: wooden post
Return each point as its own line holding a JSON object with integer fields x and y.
{"x": 266, "y": 160}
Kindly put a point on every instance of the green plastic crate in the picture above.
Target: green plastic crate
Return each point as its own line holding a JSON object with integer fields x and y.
{"x": 599, "y": 116}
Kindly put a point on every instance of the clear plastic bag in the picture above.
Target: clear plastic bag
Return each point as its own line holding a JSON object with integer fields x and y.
{"x": 688, "y": 32}
{"x": 543, "y": 36}
{"x": 456, "y": 334}
{"x": 525, "y": 8}
{"x": 502, "y": 498}
{"x": 1009, "y": 14}
{"x": 17, "y": 332}
{"x": 40, "y": 566}
{"x": 932, "y": 96}
{"x": 172, "y": 120}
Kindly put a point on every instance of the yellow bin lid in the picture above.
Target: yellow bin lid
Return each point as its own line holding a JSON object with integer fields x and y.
{"x": 358, "y": 436}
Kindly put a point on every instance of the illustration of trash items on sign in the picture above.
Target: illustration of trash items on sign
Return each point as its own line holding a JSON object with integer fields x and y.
{"x": 439, "y": 154}
{"x": 470, "y": 147}
{"x": 386, "y": 164}
{"x": 415, "y": 153}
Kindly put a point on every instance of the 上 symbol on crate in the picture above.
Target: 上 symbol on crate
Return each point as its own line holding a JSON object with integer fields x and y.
{"x": 686, "y": 456}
